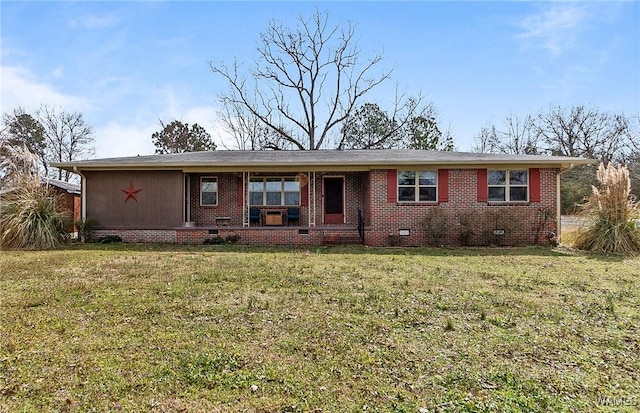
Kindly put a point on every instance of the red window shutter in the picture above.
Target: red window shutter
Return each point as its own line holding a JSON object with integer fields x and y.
{"x": 304, "y": 194}
{"x": 392, "y": 185}
{"x": 534, "y": 185}
{"x": 443, "y": 185}
{"x": 240, "y": 191}
{"x": 483, "y": 190}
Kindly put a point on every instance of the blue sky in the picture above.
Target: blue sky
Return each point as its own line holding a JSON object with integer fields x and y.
{"x": 127, "y": 65}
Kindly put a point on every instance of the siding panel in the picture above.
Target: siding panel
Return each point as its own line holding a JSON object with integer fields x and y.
{"x": 158, "y": 204}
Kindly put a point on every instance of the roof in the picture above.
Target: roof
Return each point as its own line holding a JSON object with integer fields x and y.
{"x": 317, "y": 160}
{"x": 66, "y": 186}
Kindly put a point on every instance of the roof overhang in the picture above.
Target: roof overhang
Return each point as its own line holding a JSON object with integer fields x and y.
{"x": 318, "y": 161}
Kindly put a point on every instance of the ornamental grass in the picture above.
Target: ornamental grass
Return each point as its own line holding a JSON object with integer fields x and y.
{"x": 31, "y": 214}
{"x": 612, "y": 215}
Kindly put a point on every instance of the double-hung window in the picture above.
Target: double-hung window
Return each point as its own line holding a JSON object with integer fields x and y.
{"x": 274, "y": 191}
{"x": 208, "y": 191}
{"x": 508, "y": 185}
{"x": 417, "y": 186}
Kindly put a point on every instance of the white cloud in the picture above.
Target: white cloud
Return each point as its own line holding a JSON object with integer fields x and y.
{"x": 92, "y": 21}
{"x": 205, "y": 116}
{"x": 555, "y": 28}
{"x": 20, "y": 88}
{"x": 58, "y": 72}
{"x": 117, "y": 140}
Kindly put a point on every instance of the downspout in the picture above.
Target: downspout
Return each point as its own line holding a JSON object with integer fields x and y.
{"x": 83, "y": 194}
{"x": 187, "y": 198}
{"x": 558, "y": 209}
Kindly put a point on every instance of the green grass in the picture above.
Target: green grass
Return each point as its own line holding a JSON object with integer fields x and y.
{"x": 231, "y": 328}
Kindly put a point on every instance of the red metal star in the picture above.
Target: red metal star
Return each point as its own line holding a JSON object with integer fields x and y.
{"x": 131, "y": 192}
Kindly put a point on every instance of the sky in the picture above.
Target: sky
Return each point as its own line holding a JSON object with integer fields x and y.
{"x": 126, "y": 66}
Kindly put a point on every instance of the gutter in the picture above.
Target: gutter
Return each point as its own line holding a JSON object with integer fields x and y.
{"x": 192, "y": 167}
{"x": 83, "y": 193}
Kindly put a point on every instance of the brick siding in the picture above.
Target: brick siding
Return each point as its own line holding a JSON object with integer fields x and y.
{"x": 523, "y": 223}
{"x": 467, "y": 221}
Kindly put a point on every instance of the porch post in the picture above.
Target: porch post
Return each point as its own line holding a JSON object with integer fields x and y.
{"x": 558, "y": 207}
{"x": 312, "y": 199}
{"x": 187, "y": 198}
{"x": 83, "y": 197}
{"x": 246, "y": 219}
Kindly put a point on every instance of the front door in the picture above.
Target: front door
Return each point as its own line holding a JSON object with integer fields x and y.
{"x": 333, "y": 200}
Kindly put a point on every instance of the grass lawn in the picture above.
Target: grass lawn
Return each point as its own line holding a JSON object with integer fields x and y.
{"x": 230, "y": 328}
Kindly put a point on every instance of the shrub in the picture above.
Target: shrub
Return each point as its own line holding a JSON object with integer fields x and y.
{"x": 31, "y": 216}
{"x": 85, "y": 228}
{"x": 467, "y": 221}
{"x": 612, "y": 213}
{"x": 232, "y": 239}
{"x": 218, "y": 240}
{"x": 544, "y": 216}
{"x": 214, "y": 241}
{"x": 110, "y": 239}
{"x": 395, "y": 240}
{"x": 435, "y": 224}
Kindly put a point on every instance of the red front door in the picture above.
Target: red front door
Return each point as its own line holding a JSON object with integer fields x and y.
{"x": 333, "y": 200}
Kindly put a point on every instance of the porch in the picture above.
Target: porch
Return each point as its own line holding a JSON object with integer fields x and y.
{"x": 296, "y": 201}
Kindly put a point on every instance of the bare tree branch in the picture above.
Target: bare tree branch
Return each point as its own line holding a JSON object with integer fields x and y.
{"x": 67, "y": 136}
{"x": 307, "y": 81}
{"x": 584, "y": 131}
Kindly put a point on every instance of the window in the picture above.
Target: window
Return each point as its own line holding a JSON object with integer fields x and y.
{"x": 274, "y": 191}
{"x": 208, "y": 191}
{"x": 508, "y": 186}
{"x": 417, "y": 186}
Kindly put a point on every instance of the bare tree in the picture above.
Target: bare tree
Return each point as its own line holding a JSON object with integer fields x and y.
{"x": 306, "y": 82}
{"x": 67, "y": 136}
{"x": 579, "y": 131}
{"x": 633, "y": 158}
{"x": 520, "y": 137}
{"x": 487, "y": 140}
{"x": 584, "y": 131}
{"x": 248, "y": 131}
{"x": 245, "y": 128}
{"x": 633, "y": 135}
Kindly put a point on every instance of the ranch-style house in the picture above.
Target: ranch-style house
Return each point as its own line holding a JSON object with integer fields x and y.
{"x": 374, "y": 197}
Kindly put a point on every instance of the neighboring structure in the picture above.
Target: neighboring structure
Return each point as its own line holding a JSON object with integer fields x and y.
{"x": 71, "y": 196}
{"x": 70, "y": 192}
{"x": 378, "y": 197}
